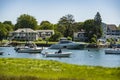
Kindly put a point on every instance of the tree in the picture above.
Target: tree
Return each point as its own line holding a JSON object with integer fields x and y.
{"x": 9, "y": 25}
{"x": 66, "y": 25}
{"x": 55, "y": 37}
{"x": 94, "y": 39}
{"x": 98, "y": 19}
{"x": 26, "y": 21}
{"x": 3, "y": 31}
{"x": 78, "y": 26}
{"x": 46, "y": 25}
{"x": 89, "y": 27}
{"x": 98, "y": 24}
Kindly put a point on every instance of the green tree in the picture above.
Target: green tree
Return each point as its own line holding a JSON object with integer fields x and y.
{"x": 55, "y": 37}
{"x": 94, "y": 39}
{"x": 89, "y": 27}
{"x": 98, "y": 19}
{"x": 78, "y": 26}
{"x": 46, "y": 25}
{"x": 26, "y": 21}
{"x": 8, "y": 26}
{"x": 3, "y": 32}
{"x": 65, "y": 25}
{"x": 98, "y": 24}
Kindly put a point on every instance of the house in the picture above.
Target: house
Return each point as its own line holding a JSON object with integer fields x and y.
{"x": 109, "y": 31}
{"x": 112, "y": 32}
{"x": 24, "y": 34}
{"x": 80, "y": 36}
{"x": 45, "y": 33}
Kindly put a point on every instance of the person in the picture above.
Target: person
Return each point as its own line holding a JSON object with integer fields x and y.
{"x": 60, "y": 51}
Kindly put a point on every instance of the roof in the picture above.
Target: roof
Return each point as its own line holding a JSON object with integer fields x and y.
{"x": 111, "y": 27}
{"x": 24, "y": 30}
{"x": 45, "y": 30}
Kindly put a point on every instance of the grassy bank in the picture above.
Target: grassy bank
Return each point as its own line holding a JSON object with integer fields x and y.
{"x": 32, "y": 69}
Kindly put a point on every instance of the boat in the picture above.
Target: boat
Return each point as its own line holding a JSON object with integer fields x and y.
{"x": 112, "y": 51}
{"x": 56, "y": 54}
{"x": 67, "y": 44}
{"x": 28, "y": 48}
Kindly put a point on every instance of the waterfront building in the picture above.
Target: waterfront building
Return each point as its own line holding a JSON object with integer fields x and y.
{"x": 109, "y": 31}
{"x": 24, "y": 34}
{"x": 80, "y": 36}
{"x": 112, "y": 32}
{"x": 45, "y": 33}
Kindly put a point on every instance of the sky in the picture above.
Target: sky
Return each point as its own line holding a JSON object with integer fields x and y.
{"x": 53, "y": 10}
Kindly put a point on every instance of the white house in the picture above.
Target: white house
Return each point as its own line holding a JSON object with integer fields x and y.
{"x": 80, "y": 36}
{"x": 24, "y": 34}
{"x": 112, "y": 32}
{"x": 29, "y": 34}
{"x": 109, "y": 31}
{"x": 45, "y": 33}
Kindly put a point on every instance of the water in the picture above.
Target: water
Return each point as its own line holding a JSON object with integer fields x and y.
{"x": 93, "y": 57}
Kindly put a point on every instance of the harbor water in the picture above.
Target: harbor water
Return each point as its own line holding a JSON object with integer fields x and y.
{"x": 91, "y": 57}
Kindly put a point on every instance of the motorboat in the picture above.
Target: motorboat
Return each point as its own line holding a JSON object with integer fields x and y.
{"x": 112, "y": 51}
{"x": 67, "y": 44}
{"x": 28, "y": 48}
{"x": 56, "y": 54}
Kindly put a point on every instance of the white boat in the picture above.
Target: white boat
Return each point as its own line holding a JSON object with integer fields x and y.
{"x": 66, "y": 44}
{"x": 112, "y": 51}
{"x": 55, "y": 54}
{"x": 29, "y": 50}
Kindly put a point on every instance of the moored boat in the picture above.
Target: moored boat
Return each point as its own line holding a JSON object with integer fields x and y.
{"x": 56, "y": 54}
{"x": 29, "y": 50}
{"x": 67, "y": 44}
{"x": 112, "y": 51}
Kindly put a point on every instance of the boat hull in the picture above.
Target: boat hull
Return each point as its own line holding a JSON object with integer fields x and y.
{"x": 31, "y": 50}
{"x": 112, "y": 51}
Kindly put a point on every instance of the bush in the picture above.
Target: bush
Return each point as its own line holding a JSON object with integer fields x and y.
{"x": 55, "y": 37}
{"x": 69, "y": 38}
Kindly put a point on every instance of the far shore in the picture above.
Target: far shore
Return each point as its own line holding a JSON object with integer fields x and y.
{"x": 48, "y": 44}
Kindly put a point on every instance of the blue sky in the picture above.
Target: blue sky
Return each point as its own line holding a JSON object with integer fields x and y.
{"x": 53, "y": 10}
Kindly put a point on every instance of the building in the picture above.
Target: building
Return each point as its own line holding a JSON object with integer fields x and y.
{"x": 45, "y": 33}
{"x": 109, "y": 31}
{"x": 24, "y": 34}
{"x": 80, "y": 36}
{"x": 112, "y": 32}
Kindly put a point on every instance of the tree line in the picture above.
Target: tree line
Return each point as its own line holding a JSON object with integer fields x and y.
{"x": 65, "y": 27}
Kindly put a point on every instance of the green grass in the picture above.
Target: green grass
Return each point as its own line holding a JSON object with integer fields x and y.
{"x": 33, "y": 69}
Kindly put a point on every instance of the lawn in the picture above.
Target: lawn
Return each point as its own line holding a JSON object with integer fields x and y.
{"x": 33, "y": 69}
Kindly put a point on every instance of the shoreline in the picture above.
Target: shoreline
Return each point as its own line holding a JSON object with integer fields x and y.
{"x": 90, "y": 45}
